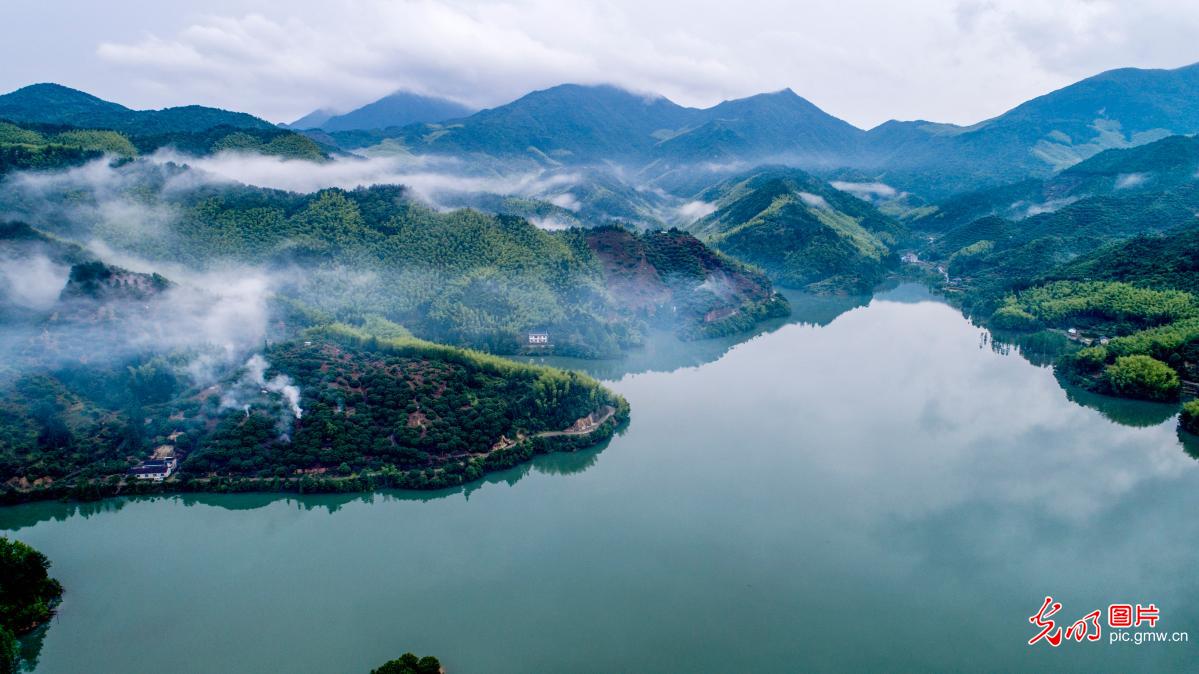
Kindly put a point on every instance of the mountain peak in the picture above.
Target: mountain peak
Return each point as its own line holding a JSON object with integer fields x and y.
{"x": 399, "y": 108}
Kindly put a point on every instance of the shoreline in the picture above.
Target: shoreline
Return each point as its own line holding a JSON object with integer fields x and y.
{"x": 472, "y": 469}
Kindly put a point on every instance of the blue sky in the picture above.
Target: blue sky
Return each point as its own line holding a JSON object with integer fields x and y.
{"x": 865, "y": 61}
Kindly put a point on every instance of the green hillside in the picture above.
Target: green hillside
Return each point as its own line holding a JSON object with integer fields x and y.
{"x": 799, "y": 230}
{"x": 1155, "y": 167}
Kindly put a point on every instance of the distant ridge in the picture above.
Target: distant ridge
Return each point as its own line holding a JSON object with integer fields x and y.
{"x": 49, "y": 103}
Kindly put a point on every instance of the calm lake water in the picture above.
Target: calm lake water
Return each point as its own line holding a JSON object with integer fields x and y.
{"x": 866, "y": 487}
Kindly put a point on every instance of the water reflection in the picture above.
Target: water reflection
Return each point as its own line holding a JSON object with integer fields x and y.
{"x": 1190, "y": 443}
{"x": 665, "y": 352}
{"x": 1124, "y": 411}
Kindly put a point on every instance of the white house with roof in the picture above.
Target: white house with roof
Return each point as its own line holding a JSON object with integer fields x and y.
{"x": 153, "y": 470}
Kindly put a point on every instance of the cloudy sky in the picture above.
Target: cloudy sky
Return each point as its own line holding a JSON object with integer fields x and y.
{"x": 863, "y": 60}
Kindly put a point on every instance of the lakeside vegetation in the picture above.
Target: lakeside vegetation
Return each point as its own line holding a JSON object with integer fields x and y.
{"x": 1114, "y": 261}
{"x": 1111, "y": 305}
{"x": 1189, "y": 418}
{"x": 410, "y": 664}
{"x": 27, "y": 597}
{"x": 377, "y": 413}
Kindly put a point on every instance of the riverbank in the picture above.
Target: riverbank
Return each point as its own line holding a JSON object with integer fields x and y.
{"x": 587, "y": 432}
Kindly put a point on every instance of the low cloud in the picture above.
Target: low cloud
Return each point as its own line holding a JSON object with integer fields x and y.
{"x": 866, "y": 191}
{"x": 695, "y": 210}
{"x": 1045, "y": 207}
{"x": 565, "y": 200}
{"x": 427, "y": 177}
{"x": 550, "y": 224}
{"x": 31, "y": 283}
{"x": 813, "y": 200}
{"x": 1130, "y": 180}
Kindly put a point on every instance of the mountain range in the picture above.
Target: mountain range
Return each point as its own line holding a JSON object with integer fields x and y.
{"x": 576, "y": 124}
{"x": 682, "y": 149}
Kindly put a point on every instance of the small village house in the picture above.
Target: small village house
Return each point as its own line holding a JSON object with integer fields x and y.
{"x": 153, "y": 470}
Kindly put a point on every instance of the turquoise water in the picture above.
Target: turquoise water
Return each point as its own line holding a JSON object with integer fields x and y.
{"x": 863, "y": 488}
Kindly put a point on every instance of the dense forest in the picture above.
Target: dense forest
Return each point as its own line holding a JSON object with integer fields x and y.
{"x": 374, "y": 404}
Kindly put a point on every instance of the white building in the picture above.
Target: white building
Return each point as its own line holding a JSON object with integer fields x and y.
{"x": 153, "y": 470}
{"x": 539, "y": 337}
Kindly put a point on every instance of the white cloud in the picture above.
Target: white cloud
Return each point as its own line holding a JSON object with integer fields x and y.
{"x": 565, "y": 200}
{"x": 426, "y": 177}
{"x": 813, "y": 200}
{"x": 1129, "y": 180}
{"x": 549, "y": 224}
{"x": 865, "y": 190}
{"x": 953, "y": 60}
{"x": 694, "y": 210}
{"x": 33, "y": 282}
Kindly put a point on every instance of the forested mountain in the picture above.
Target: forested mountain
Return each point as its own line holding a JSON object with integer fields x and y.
{"x": 662, "y": 141}
{"x": 665, "y": 145}
{"x": 800, "y": 230}
{"x": 778, "y": 126}
{"x": 573, "y": 196}
{"x": 25, "y": 148}
{"x": 580, "y": 124}
{"x": 567, "y": 123}
{"x": 94, "y": 382}
{"x": 992, "y": 255}
{"x": 399, "y": 109}
{"x": 462, "y": 277}
{"x": 1154, "y": 167}
{"x": 1169, "y": 261}
{"x": 56, "y": 104}
{"x": 1118, "y": 108}
{"x": 52, "y": 126}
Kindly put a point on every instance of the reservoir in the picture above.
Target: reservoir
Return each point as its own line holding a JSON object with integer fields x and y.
{"x": 872, "y": 484}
